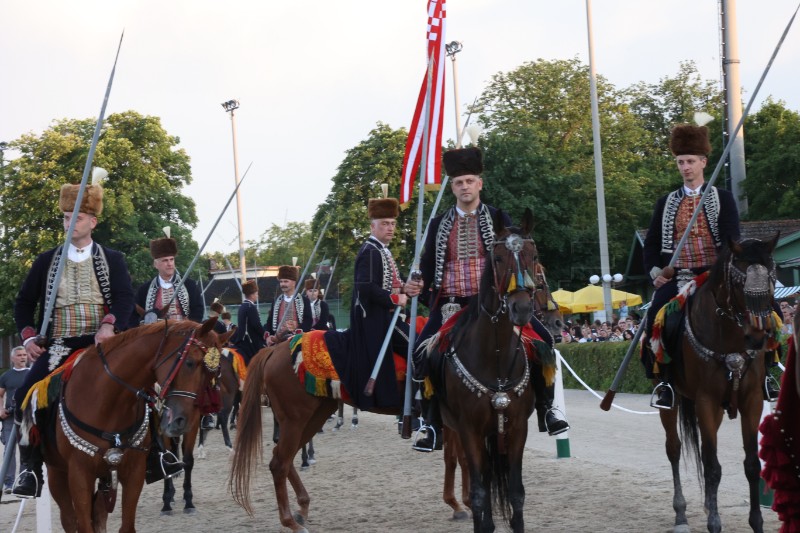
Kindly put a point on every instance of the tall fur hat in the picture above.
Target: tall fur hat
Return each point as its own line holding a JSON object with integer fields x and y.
{"x": 217, "y": 307}
{"x": 92, "y": 201}
{"x": 688, "y": 139}
{"x": 463, "y": 161}
{"x": 249, "y": 287}
{"x": 225, "y": 315}
{"x": 288, "y": 272}
{"x": 311, "y": 283}
{"x": 165, "y": 246}
{"x": 383, "y": 207}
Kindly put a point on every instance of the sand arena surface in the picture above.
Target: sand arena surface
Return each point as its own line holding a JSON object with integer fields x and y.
{"x": 369, "y": 480}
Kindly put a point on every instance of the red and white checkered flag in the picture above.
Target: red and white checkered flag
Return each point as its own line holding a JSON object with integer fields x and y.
{"x": 413, "y": 154}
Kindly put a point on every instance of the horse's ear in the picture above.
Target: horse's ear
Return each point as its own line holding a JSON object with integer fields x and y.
{"x": 223, "y": 339}
{"x": 207, "y": 326}
{"x": 734, "y": 246}
{"x": 499, "y": 221}
{"x": 140, "y": 311}
{"x": 774, "y": 242}
{"x": 526, "y": 226}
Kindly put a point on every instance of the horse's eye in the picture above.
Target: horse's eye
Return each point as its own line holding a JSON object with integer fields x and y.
{"x": 190, "y": 364}
{"x": 498, "y": 259}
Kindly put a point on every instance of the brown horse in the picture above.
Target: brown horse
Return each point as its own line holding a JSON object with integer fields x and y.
{"x": 102, "y": 425}
{"x": 228, "y": 386}
{"x": 547, "y": 311}
{"x": 727, "y": 326}
{"x": 485, "y": 376}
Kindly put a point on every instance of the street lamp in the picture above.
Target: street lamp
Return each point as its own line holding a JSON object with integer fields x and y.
{"x": 451, "y": 49}
{"x": 230, "y": 106}
{"x": 607, "y": 300}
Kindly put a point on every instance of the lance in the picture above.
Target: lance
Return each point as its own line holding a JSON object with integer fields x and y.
{"x": 608, "y": 399}
{"x": 152, "y": 315}
{"x": 302, "y": 276}
{"x": 330, "y": 277}
{"x": 233, "y": 273}
{"x": 51, "y": 301}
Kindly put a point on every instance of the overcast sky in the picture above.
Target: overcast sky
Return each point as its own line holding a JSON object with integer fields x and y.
{"x": 315, "y": 76}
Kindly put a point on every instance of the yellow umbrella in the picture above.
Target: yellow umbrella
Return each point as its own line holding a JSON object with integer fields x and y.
{"x": 564, "y": 300}
{"x": 590, "y": 298}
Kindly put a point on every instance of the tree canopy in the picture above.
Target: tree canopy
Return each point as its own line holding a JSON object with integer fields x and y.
{"x": 142, "y": 194}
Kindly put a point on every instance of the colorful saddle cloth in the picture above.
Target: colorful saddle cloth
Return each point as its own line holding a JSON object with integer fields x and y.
{"x": 314, "y": 368}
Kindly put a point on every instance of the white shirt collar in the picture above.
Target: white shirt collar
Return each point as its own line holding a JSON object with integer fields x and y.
{"x": 287, "y": 299}
{"x": 692, "y": 192}
{"x": 164, "y": 284}
{"x": 462, "y": 213}
{"x": 78, "y": 255}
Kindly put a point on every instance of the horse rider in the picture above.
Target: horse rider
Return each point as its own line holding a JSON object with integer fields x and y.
{"x": 159, "y": 292}
{"x": 453, "y": 259}
{"x": 250, "y": 335}
{"x": 717, "y": 222}
{"x": 93, "y": 301}
{"x": 290, "y": 314}
{"x": 377, "y": 290}
{"x": 320, "y": 314}
{"x": 216, "y": 309}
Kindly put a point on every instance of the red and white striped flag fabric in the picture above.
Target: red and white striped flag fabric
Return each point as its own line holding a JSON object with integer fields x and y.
{"x": 413, "y": 154}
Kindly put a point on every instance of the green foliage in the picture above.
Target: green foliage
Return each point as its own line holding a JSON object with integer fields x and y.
{"x": 597, "y": 363}
{"x": 141, "y": 195}
{"x": 772, "y": 149}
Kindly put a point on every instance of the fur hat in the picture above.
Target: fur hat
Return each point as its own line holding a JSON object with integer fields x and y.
{"x": 225, "y": 316}
{"x": 249, "y": 287}
{"x": 687, "y": 139}
{"x": 164, "y": 247}
{"x": 383, "y": 208}
{"x": 311, "y": 283}
{"x": 462, "y": 161}
{"x": 288, "y": 272}
{"x": 91, "y": 203}
{"x": 217, "y": 307}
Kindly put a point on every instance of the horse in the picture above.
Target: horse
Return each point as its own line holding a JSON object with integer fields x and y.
{"x": 719, "y": 367}
{"x": 484, "y": 371}
{"x": 340, "y": 418}
{"x": 548, "y": 312}
{"x": 99, "y": 430}
{"x": 228, "y": 385}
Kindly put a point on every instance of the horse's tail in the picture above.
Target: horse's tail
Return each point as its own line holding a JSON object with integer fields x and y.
{"x": 499, "y": 475}
{"x": 247, "y": 447}
{"x": 690, "y": 435}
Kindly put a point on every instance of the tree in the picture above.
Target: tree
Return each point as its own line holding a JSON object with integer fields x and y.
{"x": 772, "y": 151}
{"x": 141, "y": 195}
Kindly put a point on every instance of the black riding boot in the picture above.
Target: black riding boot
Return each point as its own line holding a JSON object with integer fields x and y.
{"x": 550, "y": 419}
{"x": 663, "y": 391}
{"x": 29, "y": 481}
{"x": 433, "y": 429}
{"x": 161, "y": 464}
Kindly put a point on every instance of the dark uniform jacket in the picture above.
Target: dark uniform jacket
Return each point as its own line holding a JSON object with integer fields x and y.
{"x": 249, "y": 336}
{"x": 302, "y": 308}
{"x": 320, "y": 315}
{"x": 189, "y": 299}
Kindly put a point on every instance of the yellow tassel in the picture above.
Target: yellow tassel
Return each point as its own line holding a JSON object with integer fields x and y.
{"x": 549, "y": 373}
{"x": 512, "y": 284}
{"x": 427, "y": 389}
{"x": 320, "y": 388}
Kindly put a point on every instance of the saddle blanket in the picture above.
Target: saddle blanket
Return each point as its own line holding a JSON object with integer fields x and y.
{"x": 312, "y": 364}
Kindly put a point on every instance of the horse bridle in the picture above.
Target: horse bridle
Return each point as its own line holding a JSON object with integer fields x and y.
{"x": 512, "y": 281}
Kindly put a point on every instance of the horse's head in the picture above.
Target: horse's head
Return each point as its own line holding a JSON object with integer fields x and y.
{"x": 750, "y": 280}
{"x": 187, "y": 364}
{"x": 513, "y": 262}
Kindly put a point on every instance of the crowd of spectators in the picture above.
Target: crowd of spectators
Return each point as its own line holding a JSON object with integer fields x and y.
{"x": 598, "y": 331}
{"x": 788, "y": 309}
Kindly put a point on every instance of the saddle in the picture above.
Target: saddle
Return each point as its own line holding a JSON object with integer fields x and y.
{"x": 670, "y": 325}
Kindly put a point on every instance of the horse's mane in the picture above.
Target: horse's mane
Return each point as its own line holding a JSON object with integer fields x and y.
{"x": 183, "y": 326}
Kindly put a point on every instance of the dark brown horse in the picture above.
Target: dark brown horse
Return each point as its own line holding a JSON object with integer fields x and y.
{"x": 228, "y": 385}
{"x": 102, "y": 425}
{"x": 547, "y": 311}
{"x": 485, "y": 375}
{"x": 727, "y": 326}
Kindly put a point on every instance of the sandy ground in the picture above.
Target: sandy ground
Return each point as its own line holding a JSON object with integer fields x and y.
{"x": 369, "y": 480}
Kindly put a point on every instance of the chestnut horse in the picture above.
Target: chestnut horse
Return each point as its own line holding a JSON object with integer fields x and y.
{"x": 102, "y": 423}
{"x": 228, "y": 385}
{"x": 720, "y": 367}
{"x": 485, "y": 376}
{"x": 547, "y": 311}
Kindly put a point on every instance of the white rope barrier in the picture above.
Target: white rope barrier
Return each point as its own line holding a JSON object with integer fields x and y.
{"x": 598, "y": 396}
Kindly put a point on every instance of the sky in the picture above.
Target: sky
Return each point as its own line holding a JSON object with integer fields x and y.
{"x": 314, "y": 77}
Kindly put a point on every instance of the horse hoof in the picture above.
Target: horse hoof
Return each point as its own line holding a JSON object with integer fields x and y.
{"x": 201, "y": 452}
{"x": 681, "y": 528}
{"x": 167, "y": 513}
{"x": 303, "y": 468}
{"x": 300, "y": 519}
{"x": 190, "y": 510}
{"x": 460, "y": 515}
{"x": 230, "y": 447}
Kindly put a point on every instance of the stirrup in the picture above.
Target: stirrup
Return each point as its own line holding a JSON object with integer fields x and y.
{"x": 556, "y": 430}
{"x": 169, "y": 461}
{"x": 771, "y": 388}
{"x": 654, "y": 397}
{"x": 18, "y": 481}
{"x": 429, "y": 432}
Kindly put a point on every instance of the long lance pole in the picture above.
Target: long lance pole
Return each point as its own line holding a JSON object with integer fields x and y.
{"x": 233, "y": 273}
{"x": 152, "y": 315}
{"x": 302, "y": 276}
{"x": 51, "y": 301}
{"x": 608, "y": 399}
{"x": 330, "y": 278}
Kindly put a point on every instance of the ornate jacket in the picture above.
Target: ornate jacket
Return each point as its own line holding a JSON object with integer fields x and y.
{"x": 302, "y": 308}
{"x": 189, "y": 298}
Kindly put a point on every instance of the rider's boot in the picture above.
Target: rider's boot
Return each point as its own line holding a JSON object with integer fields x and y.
{"x": 29, "y": 481}
{"x": 550, "y": 419}
{"x": 161, "y": 464}
{"x": 433, "y": 429}
{"x": 663, "y": 396}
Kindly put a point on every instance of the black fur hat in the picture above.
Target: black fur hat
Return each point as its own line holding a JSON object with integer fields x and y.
{"x": 463, "y": 161}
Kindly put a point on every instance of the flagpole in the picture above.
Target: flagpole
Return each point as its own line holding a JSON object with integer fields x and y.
{"x": 412, "y": 329}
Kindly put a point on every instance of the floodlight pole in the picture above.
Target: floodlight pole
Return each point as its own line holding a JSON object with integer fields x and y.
{"x": 230, "y": 106}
